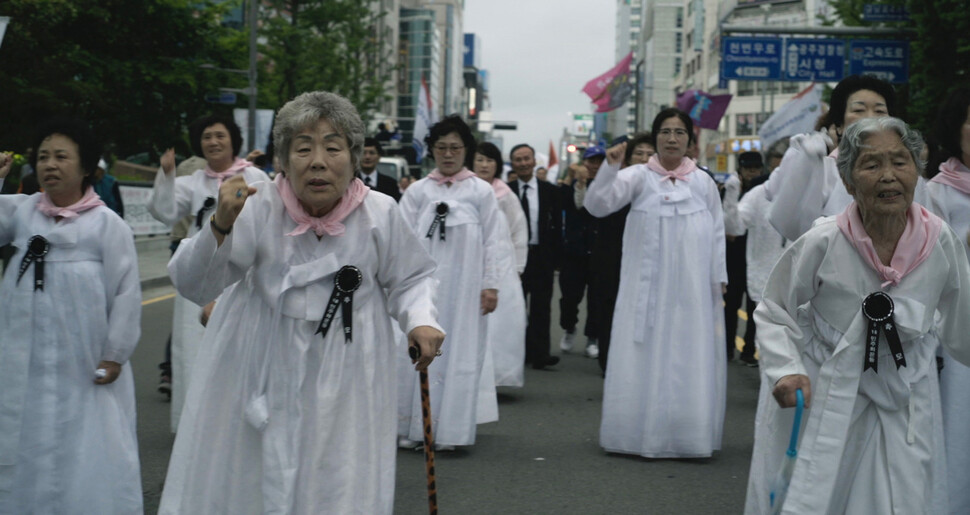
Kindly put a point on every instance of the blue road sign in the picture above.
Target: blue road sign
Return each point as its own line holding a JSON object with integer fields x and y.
{"x": 814, "y": 59}
{"x": 883, "y": 13}
{"x": 888, "y": 60}
{"x": 224, "y": 97}
{"x": 747, "y": 58}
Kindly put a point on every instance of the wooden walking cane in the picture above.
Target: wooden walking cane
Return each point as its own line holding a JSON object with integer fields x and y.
{"x": 415, "y": 353}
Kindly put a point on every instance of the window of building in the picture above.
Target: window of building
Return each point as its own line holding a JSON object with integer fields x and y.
{"x": 635, "y": 11}
{"x": 744, "y": 125}
{"x": 690, "y": 38}
{"x": 791, "y": 87}
{"x": 678, "y": 45}
{"x": 676, "y": 65}
{"x": 680, "y": 17}
{"x": 745, "y": 88}
{"x": 760, "y": 119}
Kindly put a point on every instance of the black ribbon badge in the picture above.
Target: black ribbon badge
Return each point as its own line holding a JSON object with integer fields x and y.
{"x": 37, "y": 248}
{"x": 345, "y": 283}
{"x": 439, "y": 218}
{"x": 878, "y": 308}
{"x": 200, "y": 216}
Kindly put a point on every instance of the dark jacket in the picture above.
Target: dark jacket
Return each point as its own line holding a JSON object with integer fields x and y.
{"x": 549, "y": 223}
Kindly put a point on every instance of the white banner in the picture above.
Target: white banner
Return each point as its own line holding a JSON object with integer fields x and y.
{"x": 422, "y": 120}
{"x": 797, "y": 116}
{"x": 141, "y": 221}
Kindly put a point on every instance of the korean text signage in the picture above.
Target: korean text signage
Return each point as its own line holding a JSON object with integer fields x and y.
{"x": 820, "y": 60}
{"x": 752, "y": 58}
{"x": 807, "y": 59}
{"x": 884, "y": 13}
{"x": 888, "y": 60}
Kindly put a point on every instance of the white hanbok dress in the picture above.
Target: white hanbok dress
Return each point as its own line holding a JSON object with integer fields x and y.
{"x": 473, "y": 257}
{"x": 807, "y": 185}
{"x": 870, "y": 442}
{"x": 172, "y": 199}
{"x": 666, "y": 374}
{"x": 279, "y": 419}
{"x": 953, "y": 206}
{"x": 764, "y": 244}
{"x": 504, "y": 361}
{"x": 68, "y": 445}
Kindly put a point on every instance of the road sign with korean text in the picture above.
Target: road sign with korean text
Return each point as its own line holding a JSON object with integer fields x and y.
{"x": 751, "y": 58}
{"x": 888, "y": 60}
{"x": 820, "y": 60}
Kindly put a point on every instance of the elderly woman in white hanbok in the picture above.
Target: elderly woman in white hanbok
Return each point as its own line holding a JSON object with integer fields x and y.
{"x": 949, "y": 190}
{"x": 291, "y": 409}
{"x": 871, "y": 437}
{"x": 806, "y": 184}
{"x": 218, "y": 139}
{"x": 70, "y": 310}
{"x": 664, "y": 395}
{"x": 458, "y": 221}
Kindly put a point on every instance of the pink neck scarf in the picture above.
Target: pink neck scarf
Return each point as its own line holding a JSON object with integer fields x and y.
{"x": 501, "y": 189}
{"x": 329, "y": 223}
{"x": 440, "y": 178}
{"x": 680, "y": 173}
{"x": 89, "y": 200}
{"x": 237, "y": 166}
{"x": 914, "y": 246}
{"x": 955, "y": 174}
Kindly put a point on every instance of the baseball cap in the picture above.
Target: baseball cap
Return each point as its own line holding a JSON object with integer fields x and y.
{"x": 593, "y": 151}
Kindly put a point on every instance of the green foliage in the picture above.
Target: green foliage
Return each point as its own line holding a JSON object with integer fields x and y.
{"x": 128, "y": 68}
{"x": 323, "y": 44}
{"x": 939, "y": 52}
{"x": 131, "y": 67}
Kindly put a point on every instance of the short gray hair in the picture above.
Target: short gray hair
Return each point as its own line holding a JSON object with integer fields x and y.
{"x": 306, "y": 110}
{"x": 851, "y": 145}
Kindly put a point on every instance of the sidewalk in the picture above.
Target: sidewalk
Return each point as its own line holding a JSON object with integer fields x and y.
{"x": 153, "y": 256}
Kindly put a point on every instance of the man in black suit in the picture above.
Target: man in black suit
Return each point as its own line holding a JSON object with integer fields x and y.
{"x": 543, "y": 213}
{"x": 368, "y": 170}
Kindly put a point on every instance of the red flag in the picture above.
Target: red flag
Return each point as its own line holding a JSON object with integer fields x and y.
{"x": 553, "y": 160}
{"x": 613, "y": 88}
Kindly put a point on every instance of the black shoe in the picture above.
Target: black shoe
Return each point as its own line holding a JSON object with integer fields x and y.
{"x": 750, "y": 361}
{"x": 542, "y": 363}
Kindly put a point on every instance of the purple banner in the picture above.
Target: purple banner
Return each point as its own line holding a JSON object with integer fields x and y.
{"x": 704, "y": 109}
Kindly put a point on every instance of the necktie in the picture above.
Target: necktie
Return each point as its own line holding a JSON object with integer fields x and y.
{"x": 367, "y": 181}
{"x": 525, "y": 207}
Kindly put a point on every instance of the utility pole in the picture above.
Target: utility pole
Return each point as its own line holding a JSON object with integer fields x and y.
{"x": 253, "y": 12}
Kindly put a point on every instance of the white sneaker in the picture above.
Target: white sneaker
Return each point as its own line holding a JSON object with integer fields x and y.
{"x": 592, "y": 349}
{"x": 404, "y": 443}
{"x": 566, "y": 344}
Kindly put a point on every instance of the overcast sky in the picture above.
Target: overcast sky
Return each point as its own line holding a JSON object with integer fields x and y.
{"x": 539, "y": 54}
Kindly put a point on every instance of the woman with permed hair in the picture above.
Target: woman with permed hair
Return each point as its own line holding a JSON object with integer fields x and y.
{"x": 69, "y": 322}
{"x": 293, "y": 409}
{"x": 458, "y": 221}
{"x": 218, "y": 139}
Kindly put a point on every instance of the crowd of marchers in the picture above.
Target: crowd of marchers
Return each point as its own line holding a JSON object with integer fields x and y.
{"x": 307, "y": 301}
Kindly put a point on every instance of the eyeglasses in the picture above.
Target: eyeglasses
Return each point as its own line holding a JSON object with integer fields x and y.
{"x": 443, "y": 149}
{"x": 680, "y": 133}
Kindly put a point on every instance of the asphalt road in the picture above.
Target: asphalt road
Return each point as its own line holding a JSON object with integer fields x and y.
{"x": 541, "y": 457}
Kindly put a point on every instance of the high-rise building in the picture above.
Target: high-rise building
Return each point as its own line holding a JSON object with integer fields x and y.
{"x": 629, "y": 22}
{"x": 661, "y": 46}
{"x": 419, "y": 57}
